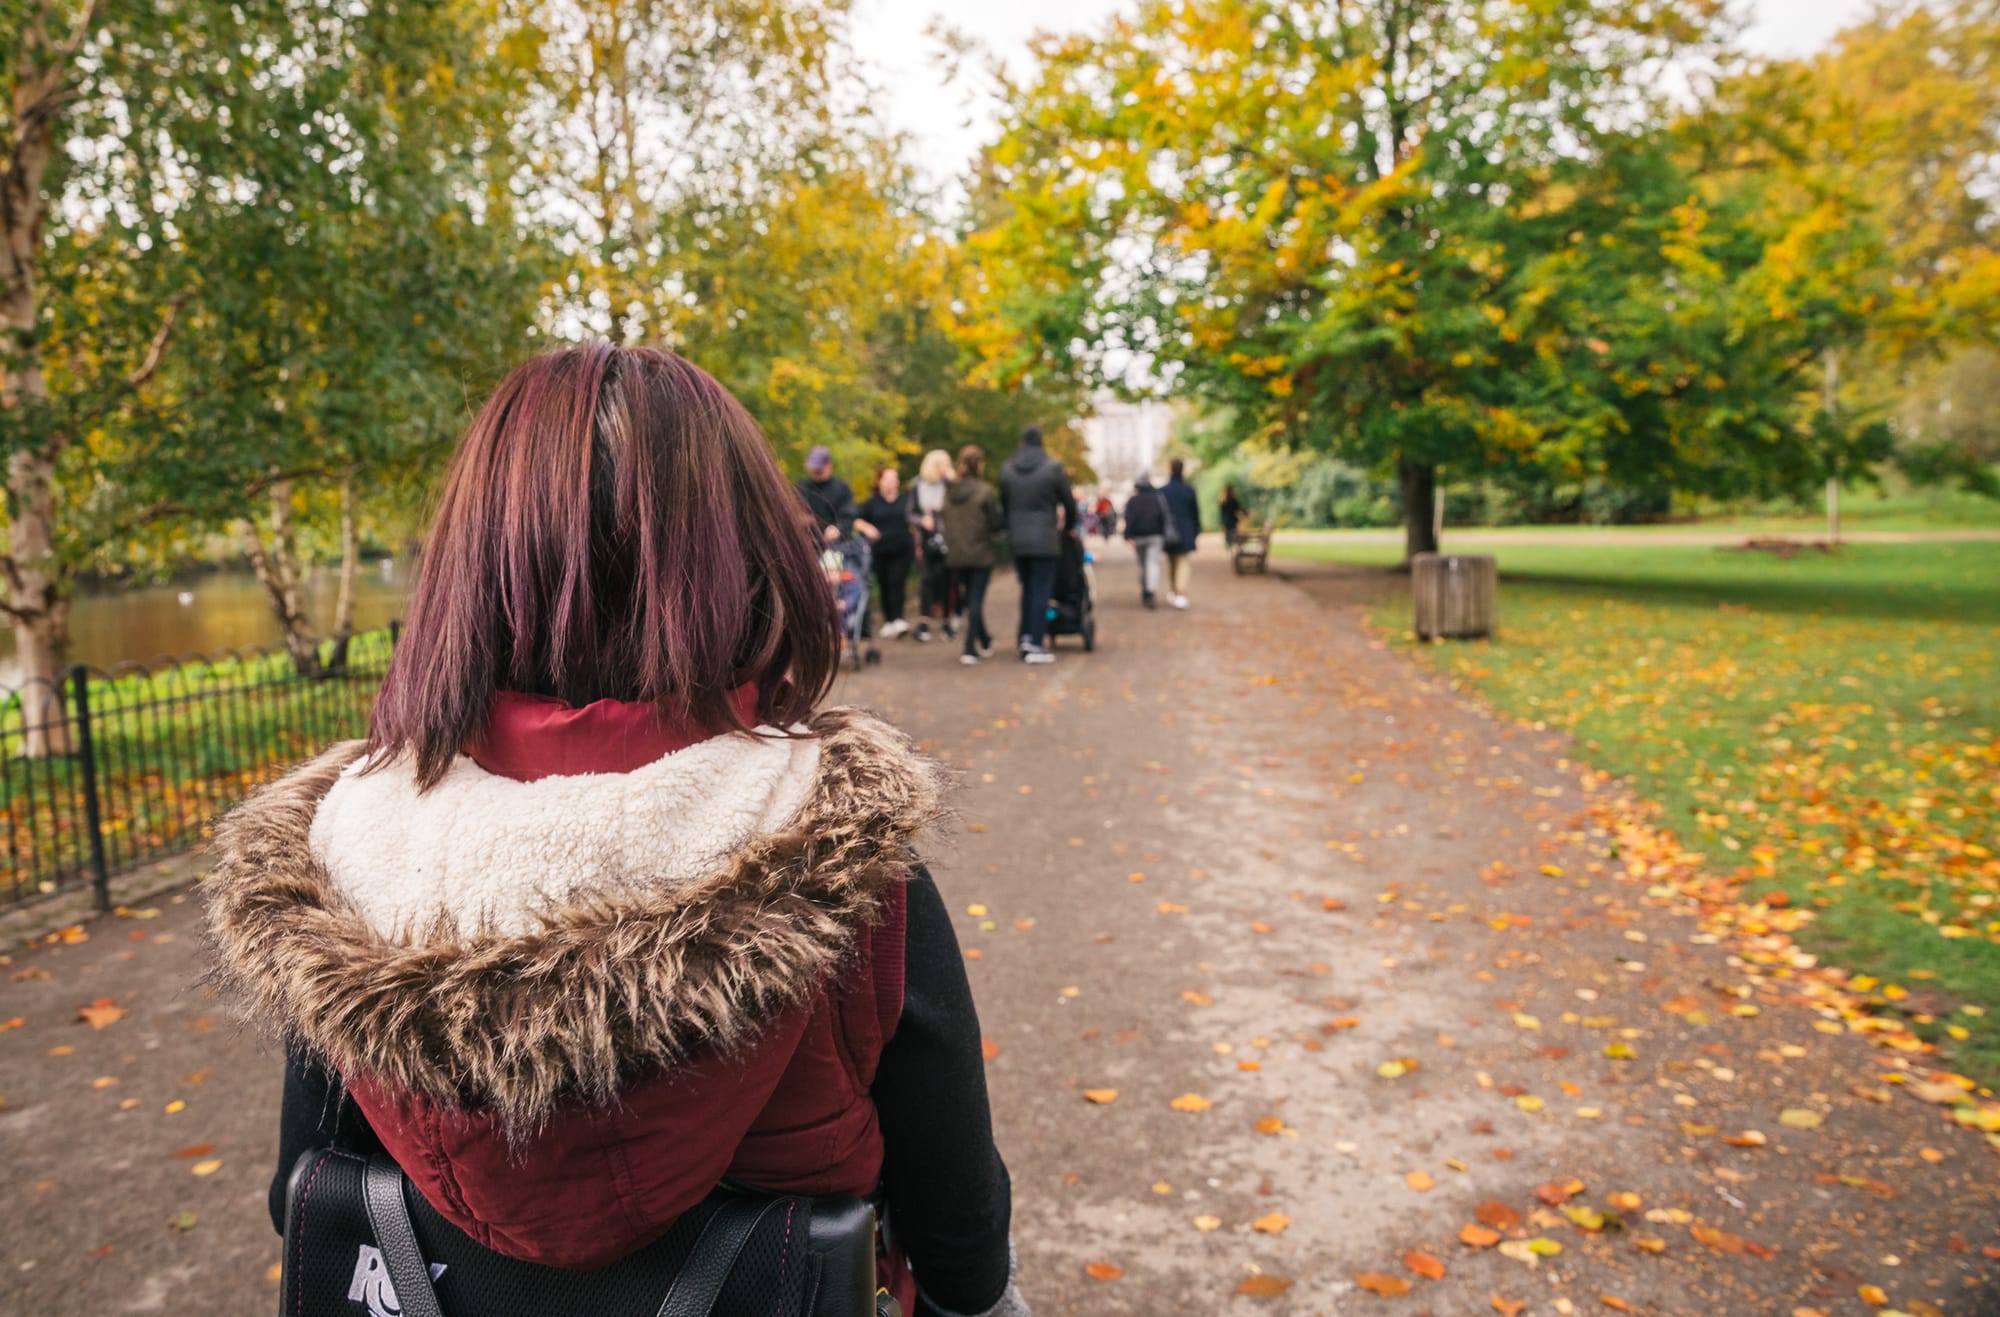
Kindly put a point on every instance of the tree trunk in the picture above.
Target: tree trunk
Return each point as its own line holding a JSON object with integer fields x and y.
{"x": 1830, "y": 402}
{"x": 35, "y": 582}
{"x": 350, "y": 566}
{"x": 277, "y": 567}
{"x": 35, "y": 587}
{"x": 1418, "y": 481}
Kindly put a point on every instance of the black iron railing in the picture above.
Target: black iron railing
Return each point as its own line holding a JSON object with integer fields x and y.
{"x": 107, "y": 769}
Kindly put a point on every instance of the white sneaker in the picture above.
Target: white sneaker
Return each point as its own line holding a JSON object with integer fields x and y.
{"x": 969, "y": 660}
{"x": 890, "y": 630}
{"x": 1180, "y": 601}
{"x": 1036, "y": 654}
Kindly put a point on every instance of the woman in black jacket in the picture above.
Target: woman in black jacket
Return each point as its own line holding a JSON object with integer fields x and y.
{"x": 887, "y": 513}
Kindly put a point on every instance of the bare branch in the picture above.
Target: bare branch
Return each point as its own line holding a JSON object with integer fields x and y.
{"x": 162, "y": 509}
{"x": 78, "y": 34}
{"x": 154, "y": 351}
{"x": 263, "y": 483}
{"x": 47, "y": 81}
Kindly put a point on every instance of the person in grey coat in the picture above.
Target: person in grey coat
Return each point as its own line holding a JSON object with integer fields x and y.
{"x": 1036, "y": 499}
{"x": 1146, "y": 526}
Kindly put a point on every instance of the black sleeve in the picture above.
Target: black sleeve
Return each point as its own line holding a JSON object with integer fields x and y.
{"x": 313, "y": 1113}
{"x": 948, "y": 1197}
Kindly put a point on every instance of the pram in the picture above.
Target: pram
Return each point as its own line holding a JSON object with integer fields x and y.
{"x": 846, "y": 564}
{"x": 1073, "y": 604}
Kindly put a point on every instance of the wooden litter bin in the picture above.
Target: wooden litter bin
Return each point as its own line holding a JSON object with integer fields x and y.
{"x": 1455, "y": 594}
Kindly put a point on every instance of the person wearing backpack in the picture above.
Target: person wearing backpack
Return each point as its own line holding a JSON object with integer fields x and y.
{"x": 607, "y": 909}
{"x": 972, "y": 525}
{"x": 1036, "y": 498}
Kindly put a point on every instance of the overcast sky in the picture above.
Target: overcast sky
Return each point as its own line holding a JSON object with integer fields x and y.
{"x": 946, "y": 132}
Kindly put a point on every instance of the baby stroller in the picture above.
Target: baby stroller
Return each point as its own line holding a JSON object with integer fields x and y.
{"x": 846, "y": 564}
{"x": 1073, "y": 605}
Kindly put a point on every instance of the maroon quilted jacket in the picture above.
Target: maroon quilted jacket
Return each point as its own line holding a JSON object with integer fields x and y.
{"x": 600, "y": 966}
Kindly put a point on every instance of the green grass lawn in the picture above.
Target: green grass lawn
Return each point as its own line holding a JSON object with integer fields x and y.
{"x": 173, "y": 748}
{"x": 1828, "y": 725}
{"x": 1870, "y": 509}
{"x": 1862, "y": 509}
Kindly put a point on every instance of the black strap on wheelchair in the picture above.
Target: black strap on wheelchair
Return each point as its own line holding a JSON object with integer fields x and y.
{"x": 694, "y": 1293}
{"x": 389, "y": 1216}
{"x": 722, "y": 1238}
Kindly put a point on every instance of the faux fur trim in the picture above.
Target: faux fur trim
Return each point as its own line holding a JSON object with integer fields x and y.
{"x": 608, "y": 982}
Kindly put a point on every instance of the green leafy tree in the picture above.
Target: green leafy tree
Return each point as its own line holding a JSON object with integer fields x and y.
{"x": 99, "y": 104}
{"x": 1423, "y": 234}
{"x": 656, "y": 127}
{"x": 374, "y": 275}
{"x": 946, "y": 405}
{"x": 1892, "y": 131}
{"x": 795, "y": 305}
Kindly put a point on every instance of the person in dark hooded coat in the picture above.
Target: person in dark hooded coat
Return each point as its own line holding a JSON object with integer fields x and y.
{"x": 1146, "y": 528}
{"x": 1184, "y": 514}
{"x": 1036, "y": 498}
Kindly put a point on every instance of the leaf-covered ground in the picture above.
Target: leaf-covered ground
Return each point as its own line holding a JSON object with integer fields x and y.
{"x": 1307, "y": 986}
{"x": 1823, "y": 729}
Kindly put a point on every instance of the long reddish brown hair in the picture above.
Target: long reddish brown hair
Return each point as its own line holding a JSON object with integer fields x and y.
{"x": 612, "y": 527}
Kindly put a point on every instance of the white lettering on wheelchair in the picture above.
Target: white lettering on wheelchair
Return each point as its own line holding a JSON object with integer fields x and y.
{"x": 371, "y": 1284}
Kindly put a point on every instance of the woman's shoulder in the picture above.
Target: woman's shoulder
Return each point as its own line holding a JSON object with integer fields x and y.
{"x": 329, "y": 926}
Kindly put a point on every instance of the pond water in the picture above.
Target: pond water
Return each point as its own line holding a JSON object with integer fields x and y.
{"x": 204, "y": 615}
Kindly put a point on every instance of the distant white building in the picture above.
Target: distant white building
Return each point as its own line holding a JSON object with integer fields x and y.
{"x": 1124, "y": 439}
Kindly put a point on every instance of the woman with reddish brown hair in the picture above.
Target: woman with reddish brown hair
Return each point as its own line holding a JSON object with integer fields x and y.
{"x": 607, "y": 908}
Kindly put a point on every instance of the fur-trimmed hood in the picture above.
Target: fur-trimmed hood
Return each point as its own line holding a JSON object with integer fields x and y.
{"x": 511, "y": 945}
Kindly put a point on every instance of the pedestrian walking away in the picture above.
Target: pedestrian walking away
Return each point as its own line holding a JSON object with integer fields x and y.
{"x": 886, "y": 514}
{"x": 936, "y": 597}
{"x": 1183, "y": 530}
{"x": 972, "y": 523}
{"x": 830, "y": 501}
{"x": 1146, "y": 531}
{"x": 1036, "y": 498}
{"x": 607, "y": 769}
{"x": 1229, "y": 511}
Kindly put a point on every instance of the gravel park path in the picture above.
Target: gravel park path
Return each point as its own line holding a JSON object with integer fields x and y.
{"x": 1310, "y": 987}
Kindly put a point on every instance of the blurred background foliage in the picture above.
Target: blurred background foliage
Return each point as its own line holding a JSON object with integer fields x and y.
{"x": 260, "y": 258}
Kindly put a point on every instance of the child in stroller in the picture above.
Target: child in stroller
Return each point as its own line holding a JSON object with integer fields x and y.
{"x": 1073, "y": 604}
{"x": 846, "y": 564}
